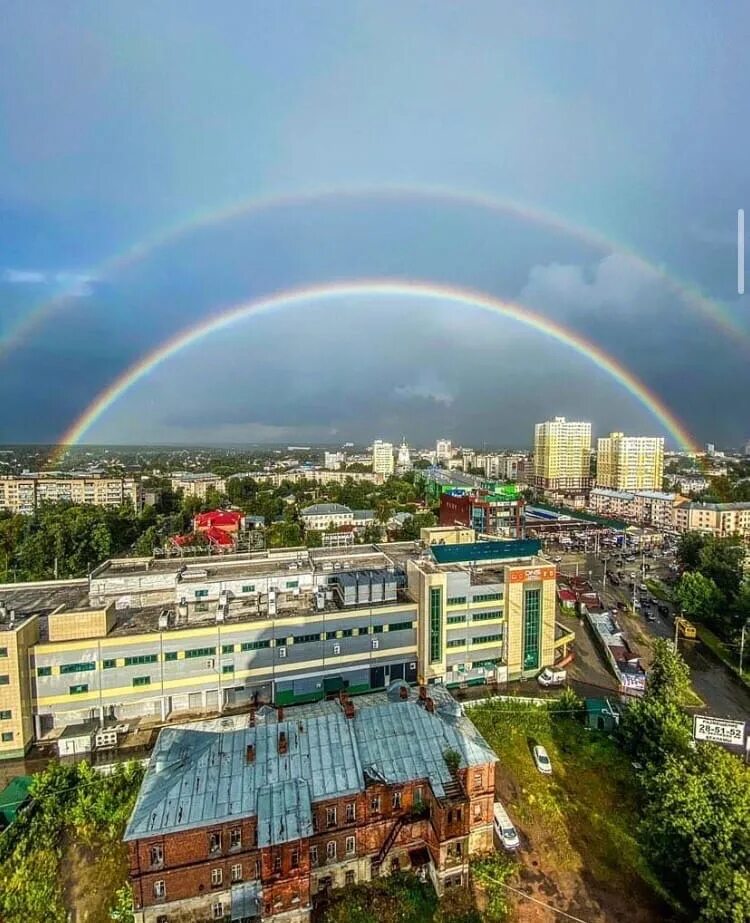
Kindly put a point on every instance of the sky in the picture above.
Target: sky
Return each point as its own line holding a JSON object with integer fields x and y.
{"x": 131, "y": 133}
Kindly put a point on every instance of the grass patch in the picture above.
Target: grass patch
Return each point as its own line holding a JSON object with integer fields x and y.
{"x": 658, "y": 589}
{"x": 398, "y": 898}
{"x": 730, "y": 659}
{"x": 583, "y": 819}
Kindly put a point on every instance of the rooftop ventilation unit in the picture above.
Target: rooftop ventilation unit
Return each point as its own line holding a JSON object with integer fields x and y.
{"x": 163, "y": 620}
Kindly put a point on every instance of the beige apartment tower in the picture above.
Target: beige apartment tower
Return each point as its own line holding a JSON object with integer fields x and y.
{"x": 562, "y": 453}
{"x": 382, "y": 458}
{"x": 630, "y": 462}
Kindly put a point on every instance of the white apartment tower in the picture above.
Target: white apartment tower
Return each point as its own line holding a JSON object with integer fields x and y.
{"x": 443, "y": 450}
{"x": 562, "y": 452}
{"x": 382, "y": 458}
{"x": 630, "y": 462}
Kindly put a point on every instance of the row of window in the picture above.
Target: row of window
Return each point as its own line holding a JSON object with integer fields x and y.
{"x": 486, "y": 597}
{"x": 484, "y": 639}
{"x": 476, "y": 616}
{"x": 247, "y": 588}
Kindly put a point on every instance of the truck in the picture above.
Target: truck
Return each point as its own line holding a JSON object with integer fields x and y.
{"x": 551, "y": 676}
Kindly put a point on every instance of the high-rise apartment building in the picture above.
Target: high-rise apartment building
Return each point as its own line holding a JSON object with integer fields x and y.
{"x": 630, "y": 462}
{"x": 443, "y": 450}
{"x": 382, "y": 458}
{"x": 333, "y": 460}
{"x": 562, "y": 452}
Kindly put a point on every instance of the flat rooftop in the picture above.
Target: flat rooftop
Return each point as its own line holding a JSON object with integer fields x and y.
{"x": 42, "y": 599}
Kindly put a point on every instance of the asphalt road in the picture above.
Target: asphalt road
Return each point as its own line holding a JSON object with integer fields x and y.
{"x": 723, "y": 695}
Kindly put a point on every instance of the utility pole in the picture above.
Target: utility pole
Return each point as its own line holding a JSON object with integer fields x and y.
{"x": 742, "y": 644}
{"x": 677, "y": 629}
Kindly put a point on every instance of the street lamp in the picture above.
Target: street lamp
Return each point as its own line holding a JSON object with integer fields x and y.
{"x": 742, "y": 643}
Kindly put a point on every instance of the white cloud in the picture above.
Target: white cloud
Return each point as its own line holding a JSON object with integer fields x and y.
{"x": 24, "y": 277}
{"x": 426, "y": 388}
{"x": 617, "y": 280}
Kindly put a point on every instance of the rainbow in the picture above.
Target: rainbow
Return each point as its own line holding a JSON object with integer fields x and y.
{"x": 690, "y": 295}
{"x": 379, "y": 288}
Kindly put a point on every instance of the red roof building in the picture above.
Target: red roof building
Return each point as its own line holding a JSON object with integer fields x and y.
{"x": 230, "y": 521}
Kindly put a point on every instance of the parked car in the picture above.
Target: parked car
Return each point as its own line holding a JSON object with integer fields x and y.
{"x": 663, "y": 608}
{"x": 542, "y": 761}
{"x": 506, "y": 832}
{"x": 651, "y": 616}
{"x": 551, "y": 677}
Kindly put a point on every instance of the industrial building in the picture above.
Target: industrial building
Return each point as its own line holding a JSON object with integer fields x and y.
{"x": 152, "y": 639}
{"x": 260, "y": 816}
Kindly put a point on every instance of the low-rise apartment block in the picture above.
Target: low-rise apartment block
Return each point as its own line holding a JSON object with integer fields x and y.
{"x": 258, "y": 817}
{"x": 165, "y": 637}
{"x": 197, "y": 484}
{"x": 645, "y": 507}
{"x": 23, "y": 493}
{"x": 719, "y": 519}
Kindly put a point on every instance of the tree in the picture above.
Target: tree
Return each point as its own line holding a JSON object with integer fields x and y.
{"x": 689, "y": 549}
{"x": 698, "y": 595}
{"x": 721, "y": 560}
{"x": 669, "y": 675}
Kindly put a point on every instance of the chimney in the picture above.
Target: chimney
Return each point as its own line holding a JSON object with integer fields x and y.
{"x": 250, "y": 754}
{"x": 280, "y": 713}
{"x": 422, "y": 693}
{"x": 403, "y": 692}
{"x": 282, "y": 743}
{"x": 429, "y": 705}
{"x": 349, "y": 708}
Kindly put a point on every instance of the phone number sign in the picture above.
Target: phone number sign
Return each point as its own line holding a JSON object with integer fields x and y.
{"x": 718, "y": 730}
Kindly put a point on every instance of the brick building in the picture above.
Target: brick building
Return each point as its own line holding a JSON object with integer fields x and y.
{"x": 258, "y": 817}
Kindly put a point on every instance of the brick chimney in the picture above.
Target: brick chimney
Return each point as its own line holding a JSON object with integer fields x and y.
{"x": 280, "y": 713}
{"x": 429, "y": 705}
{"x": 422, "y": 693}
{"x": 403, "y": 692}
{"x": 349, "y": 709}
{"x": 283, "y": 745}
{"x": 250, "y": 753}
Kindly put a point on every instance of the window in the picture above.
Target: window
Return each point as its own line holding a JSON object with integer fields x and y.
{"x": 6, "y": 737}
{"x": 478, "y": 779}
{"x": 237, "y": 872}
{"x": 347, "y": 633}
{"x": 217, "y": 910}
{"x": 248, "y": 588}
{"x": 201, "y": 607}
{"x": 214, "y": 842}
{"x": 160, "y": 890}
{"x": 351, "y": 810}
{"x": 350, "y": 846}
{"x": 330, "y": 817}
{"x": 436, "y": 624}
{"x": 200, "y": 652}
{"x": 156, "y": 856}
{"x": 227, "y": 648}
{"x": 456, "y": 642}
{"x": 349, "y": 877}
{"x": 487, "y": 639}
{"x": 306, "y": 639}
{"x": 487, "y": 597}
{"x": 142, "y": 658}
{"x": 292, "y": 584}
{"x": 77, "y": 667}
{"x": 277, "y": 864}
{"x": 44, "y": 671}
{"x": 401, "y": 626}
{"x": 294, "y": 860}
{"x": 331, "y": 849}
{"x": 377, "y": 629}
{"x": 162, "y": 918}
{"x": 227, "y": 668}
{"x": 418, "y": 793}
{"x": 375, "y": 804}
{"x": 330, "y": 636}
{"x": 77, "y": 690}
{"x": 3, "y": 651}
{"x": 201, "y": 594}
{"x": 485, "y": 616}
{"x": 456, "y": 600}
{"x": 477, "y": 811}
{"x": 257, "y": 868}
{"x": 254, "y": 645}
{"x": 235, "y": 838}
{"x": 531, "y": 628}
{"x": 5, "y": 715}
{"x": 109, "y": 664}
{"x": 170, "y": 655}
{"x": 313, "y": 855}
{"x": 456, "y": 619}
{"x": 396, "y": 801}
{"x": 141, "y": 680}
{"x": 216, "y": 877}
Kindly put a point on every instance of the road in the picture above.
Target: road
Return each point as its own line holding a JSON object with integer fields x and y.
{"x": 722, "y": 693}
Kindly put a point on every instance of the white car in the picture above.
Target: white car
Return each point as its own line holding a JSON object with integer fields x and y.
{"x": 551, "y": 677}
{"x": 506, "y": 832}
{"x": 542, "y": 760}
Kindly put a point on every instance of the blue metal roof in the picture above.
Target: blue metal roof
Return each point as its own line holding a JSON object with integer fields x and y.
{"x": 484, "y": 552}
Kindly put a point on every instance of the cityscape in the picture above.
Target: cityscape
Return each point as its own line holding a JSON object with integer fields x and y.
{"x": 375, "y": 463}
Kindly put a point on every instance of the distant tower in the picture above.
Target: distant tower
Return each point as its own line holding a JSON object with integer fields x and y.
{"x": 443, "y": 450}
{"x": 404, "y": 456}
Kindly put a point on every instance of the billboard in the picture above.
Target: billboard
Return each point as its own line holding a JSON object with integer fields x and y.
{"x": 718, "y": 730}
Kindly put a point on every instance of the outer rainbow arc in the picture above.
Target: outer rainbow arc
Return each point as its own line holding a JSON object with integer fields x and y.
{"x": 376, "y": 288}
{"x": 690, "y": 295}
